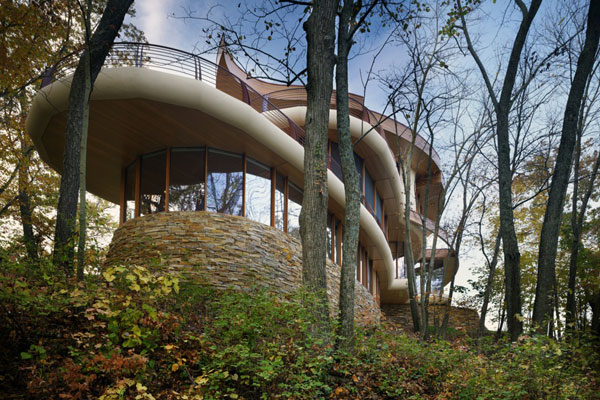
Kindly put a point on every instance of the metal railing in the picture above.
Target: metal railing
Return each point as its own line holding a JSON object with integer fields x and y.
{"x": 178, "y": 62}
{"x": 297, "y": 96}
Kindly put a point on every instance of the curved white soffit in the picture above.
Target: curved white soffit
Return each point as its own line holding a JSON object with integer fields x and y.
{"x": 131, "y": 83}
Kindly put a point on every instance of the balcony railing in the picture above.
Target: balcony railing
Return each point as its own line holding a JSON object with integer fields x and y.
{"x": 179, "y": 62}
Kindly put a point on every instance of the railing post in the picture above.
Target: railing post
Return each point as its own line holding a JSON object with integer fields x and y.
{"x": 137, "y": 51}
{"x": 141, "y": 55}
{"x": 197, "y": 68}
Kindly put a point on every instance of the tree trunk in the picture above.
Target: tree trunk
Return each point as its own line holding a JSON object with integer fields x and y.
{"x": 320, "y": 36}
{"x": 546, "y": 276}
{"x": 409, "y": 258}
{"x": 83, "y": 149}
{"x": 502, "y": 107}
{"x": 440, "y": 206}
{"x": 100, "y": 43}
{"x": 351, "y": 184}
{"x": 570, "y": 309}
{"x": 488, "y": 286}
{"x": 576, "y": 226}
{"x": 595, "y": 304}
{"x": 502, "y": 316}
{"x": 512, "y": 257}
{"x": 25, "y": 208}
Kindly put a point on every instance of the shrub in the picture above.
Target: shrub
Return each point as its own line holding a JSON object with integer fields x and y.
{"x": 137, "y": 332}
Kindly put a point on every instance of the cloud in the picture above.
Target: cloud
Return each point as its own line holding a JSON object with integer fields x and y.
{"x": 153, "y": 18}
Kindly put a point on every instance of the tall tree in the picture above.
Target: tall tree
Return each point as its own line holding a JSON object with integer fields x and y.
{"x": 99, "y": 45}
{"x": 320, "y": 37}
{"x": 577, "y": 220}
{"x": 502, "y": 106}
{"x": 546, "y": 276}
{"x": 348, "y": 25}
{"x": 87, "y": 21}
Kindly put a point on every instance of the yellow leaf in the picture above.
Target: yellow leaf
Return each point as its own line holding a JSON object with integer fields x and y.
{"x": 108, "y": 276}
{"x": 169, "y": 347}
{"x": 201, "y": 380}
{"x": 174, "y": 367}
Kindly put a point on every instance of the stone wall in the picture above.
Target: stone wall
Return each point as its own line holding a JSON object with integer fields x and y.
{"x": 227, "y": 251}
{"x": 462, "y": 319}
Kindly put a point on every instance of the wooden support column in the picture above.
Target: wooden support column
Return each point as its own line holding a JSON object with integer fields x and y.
{"x": 273, "y": 188}
{"x": 244, "y": 186}
{"x": 138, "y": 184}
{"x": 333, "y": 236}
{"x": 167, "y": 179}
{"x": 122, "y": 201}
{"x": 205, "y": 207}
{"x": 339, "y": 243}
{"x": 285, "y": 204}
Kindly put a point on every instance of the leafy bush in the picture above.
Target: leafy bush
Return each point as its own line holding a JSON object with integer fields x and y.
{"x": 134, "y": 332}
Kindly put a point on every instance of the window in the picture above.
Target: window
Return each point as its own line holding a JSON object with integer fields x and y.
{"x": 359, "y": 263}
{"x": 279, "y": 202}
{"x": 130, "y": 191}
{"x": 329, "y": 237}
{"x": 359, "y": 167}
{"x": 258, "y": 192}
{"x": 364, "y": 271}
{"x": 369, "y": 190}
{"x": 225, "y": 181}
{"x": 379, "y": 209}
{"x": 152, "y": 189}
{"x": 186, "y": 181}
{"x": 294, "y": 208}
{"x": 370, "y": 277}
{"x": 338, "y": 242}
{"x": 336, "y": 161}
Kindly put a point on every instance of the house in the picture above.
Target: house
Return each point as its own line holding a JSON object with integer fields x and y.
{"x": 206, "y": 166}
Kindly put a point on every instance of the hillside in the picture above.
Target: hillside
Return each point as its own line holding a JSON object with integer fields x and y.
{"x": 134, "y": 333}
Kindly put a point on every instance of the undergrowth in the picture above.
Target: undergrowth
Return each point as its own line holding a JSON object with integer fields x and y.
{"x": 132, "y": 332}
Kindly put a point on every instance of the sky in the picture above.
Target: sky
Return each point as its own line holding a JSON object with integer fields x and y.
{"x": 162, "y": 23}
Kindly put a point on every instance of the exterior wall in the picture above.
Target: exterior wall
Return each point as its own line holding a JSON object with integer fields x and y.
{"x": 462, "y": 319}
{"x": 227, "y": 251}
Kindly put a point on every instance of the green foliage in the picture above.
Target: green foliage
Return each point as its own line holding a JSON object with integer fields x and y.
{"x": 133, "y": 332}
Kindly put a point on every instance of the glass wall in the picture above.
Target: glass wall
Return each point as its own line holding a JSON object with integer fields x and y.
{"x": 207, "y": 179}
{"x": 336, "y": 164}
{"x": 186, "y": 181}
{"x": 129, "y": 195}
{"x": 379, "y": 209}
{"x": 153, "y": 179}
{"x": 359, "y": 167}
{"x": 280, "y": 202}
{"x": 258, "y": 192}
{"x": 338, "y": 241}
{"x": 369, "y": 190}
{"x": 294, "y": 208}
{"x": 224, "y": 182}
{"x": 329, "y": 236}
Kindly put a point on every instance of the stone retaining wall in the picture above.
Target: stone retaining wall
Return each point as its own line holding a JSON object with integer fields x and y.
{"x": 462, "y": 319}
{"x": 227, "y": 251}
